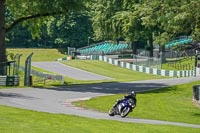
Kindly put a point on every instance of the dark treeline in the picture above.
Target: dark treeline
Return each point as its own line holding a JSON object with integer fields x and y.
{"x": 135, "y": 21}
{"x": 64, "y": 23}
{"x": 72, "y": 31}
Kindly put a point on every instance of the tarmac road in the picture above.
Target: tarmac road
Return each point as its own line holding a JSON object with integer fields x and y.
{"x": 69, "y": 71}
{"x": 58, "y": 99}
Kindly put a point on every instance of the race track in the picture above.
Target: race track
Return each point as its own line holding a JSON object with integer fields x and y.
{"x": 58, "y": 99}
{"x": 69, "y": 71}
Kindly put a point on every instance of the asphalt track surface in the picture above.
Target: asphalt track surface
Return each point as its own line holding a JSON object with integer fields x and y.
{"x": 69, "y": 71}
{"x": 58, "y": 99}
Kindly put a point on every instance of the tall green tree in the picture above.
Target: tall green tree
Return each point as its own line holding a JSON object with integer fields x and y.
{"x": 186, "y": 18}
{"x": 114, "y": 19}
{"x": 167, "y": 19}
{"x": 72, "y": 31}
{"x": 60, "y": 32}
{"x": 158, "y": 21}
{"x": 37, "y": 11}
{"x": 148, "y": 12}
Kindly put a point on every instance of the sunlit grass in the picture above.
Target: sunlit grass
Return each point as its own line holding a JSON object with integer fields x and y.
{"x": 118, "y": 74}
{"x": 186, "y": 63}
{"x": 38, "y": 54}
{"x": 14, "y": 120}
{"x": 115, "y": 72}
{"x": 171, "y": 104}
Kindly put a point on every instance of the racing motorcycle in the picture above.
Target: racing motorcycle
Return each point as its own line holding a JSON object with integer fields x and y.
{"x": 123, "y": 107}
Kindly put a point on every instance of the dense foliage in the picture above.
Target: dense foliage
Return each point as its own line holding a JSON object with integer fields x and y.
{"x": 33, "y": 14}
{"x": 133, "y": 20}
{"x": 63, "y": 23}
{"x": 60, "y": 32}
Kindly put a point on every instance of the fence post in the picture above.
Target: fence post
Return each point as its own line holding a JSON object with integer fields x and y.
{"x": 16, "y": 64}
{"x": 27, "y": 71}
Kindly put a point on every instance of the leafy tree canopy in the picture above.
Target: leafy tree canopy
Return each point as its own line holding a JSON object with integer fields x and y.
{"x": 34, "y": 12}
{"x": 39, "y": 12}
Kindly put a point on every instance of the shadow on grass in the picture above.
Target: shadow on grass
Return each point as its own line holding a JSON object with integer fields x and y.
{"x": 196, "y": 114}
{"x": 163, "y": 90}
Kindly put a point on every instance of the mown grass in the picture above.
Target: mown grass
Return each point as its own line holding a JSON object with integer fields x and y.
{"x": 115, "y": 72}
{"x": 186, "y": 63}
{"x": 38, "y": 54}
{"x": 118, "y": 74}
{"x": 13, "y": 120}
{"x": 170, "y": 104}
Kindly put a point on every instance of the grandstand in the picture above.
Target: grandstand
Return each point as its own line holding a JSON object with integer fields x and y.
{"x": 121, "y": 52}
{"x": 103, "y": 48}
{"x": 180, "y": 41}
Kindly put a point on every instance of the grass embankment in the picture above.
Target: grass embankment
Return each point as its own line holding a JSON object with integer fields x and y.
{"x": 38, "y": 54}
{"x": 186, "y": 63}
{"x": 170, "y": 104}
{"x": 14, "y": 120}
{"x": 117, "y": 73}
{"x": 173, "y": 104}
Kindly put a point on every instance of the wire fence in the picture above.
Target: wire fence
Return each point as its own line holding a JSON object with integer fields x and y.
{"x": 45, "y": 76}
{"x": 151, "y": 62}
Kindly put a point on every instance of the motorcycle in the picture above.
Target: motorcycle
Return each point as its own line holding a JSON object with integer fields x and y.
{"x": 123, "y": 108}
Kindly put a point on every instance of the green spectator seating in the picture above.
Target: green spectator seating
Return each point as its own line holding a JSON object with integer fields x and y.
{"x": 181, "y": 41}
{"x": 103, "y": 48}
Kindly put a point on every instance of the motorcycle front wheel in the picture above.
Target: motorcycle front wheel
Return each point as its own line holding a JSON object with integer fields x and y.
{"x": 125, "y": 112}
{"x": 111, "y": 112}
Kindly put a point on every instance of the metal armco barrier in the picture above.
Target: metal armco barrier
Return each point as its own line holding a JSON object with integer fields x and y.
{"x": 46, "y": 76}
{"x": 9, "y": 80}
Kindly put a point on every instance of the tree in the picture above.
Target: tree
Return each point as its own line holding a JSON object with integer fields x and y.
{"x": 116, "y": 19}
{"x": 2, "y": 35}
{"x": 169, "y": 19}
{"x": 38, "y": 11}
{"x": 61, "y": 32}
{"x": 72, "y": 31}
{"x": 156, "y": 21}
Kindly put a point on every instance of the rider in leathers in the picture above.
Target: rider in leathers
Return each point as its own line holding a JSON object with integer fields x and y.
{"x": 132, "y": 96}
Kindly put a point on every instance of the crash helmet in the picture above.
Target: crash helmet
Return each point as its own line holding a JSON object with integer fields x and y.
{"x": 133, "y": 93}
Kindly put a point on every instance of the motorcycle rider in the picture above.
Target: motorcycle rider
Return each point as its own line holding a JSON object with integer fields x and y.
{"x": 131, "y": 95}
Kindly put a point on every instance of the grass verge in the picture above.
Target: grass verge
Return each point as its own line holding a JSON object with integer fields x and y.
{"x": 39, "y": 54}
{"x": 117, "y": 73}
{"x": 13, "y": 120}
{"x": 170, "y": 104}
{"x": 186, "y": 63}
{"x": 102, "y": 68}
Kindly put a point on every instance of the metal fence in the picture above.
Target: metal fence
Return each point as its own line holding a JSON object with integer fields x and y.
{"x": 151, "y": 62}
{"x": 46, "y": 76}
{"x": 155, "y": 71}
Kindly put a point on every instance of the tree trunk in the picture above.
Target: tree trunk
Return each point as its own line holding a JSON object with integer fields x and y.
{"x": 162, "y": 52}
{"x": 151, "y": 45}
{"x": 134, "y": 47}
{"x": 2, "y": 37}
